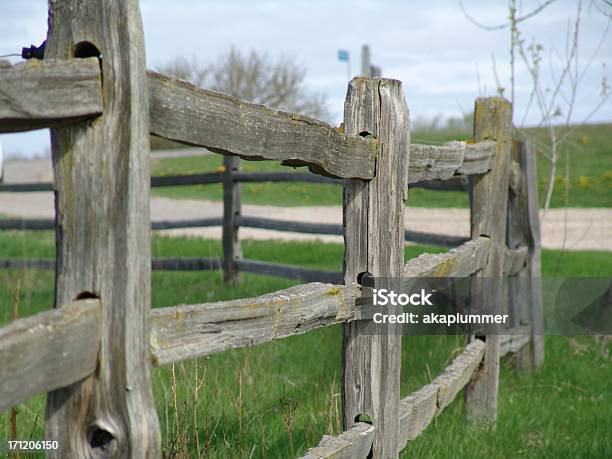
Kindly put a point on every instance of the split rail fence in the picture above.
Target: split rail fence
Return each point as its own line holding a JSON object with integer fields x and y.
{"x": 94, "y": 352}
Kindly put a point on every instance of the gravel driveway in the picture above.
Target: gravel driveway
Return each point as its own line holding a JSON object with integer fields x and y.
{"x": 573, "y": 229}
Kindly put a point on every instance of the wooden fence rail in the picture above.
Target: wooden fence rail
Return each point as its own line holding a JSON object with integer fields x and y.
{"x": 94, "y": 353}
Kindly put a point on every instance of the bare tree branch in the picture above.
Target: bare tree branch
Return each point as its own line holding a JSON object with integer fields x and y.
{"x": 506, "y": 25}
{"x": 254, "y": 77}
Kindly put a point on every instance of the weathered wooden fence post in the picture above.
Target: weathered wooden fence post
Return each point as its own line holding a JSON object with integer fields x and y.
{"x": 374, "y": 243}
{"x": 232, "y": 207}
{"x": 103, "y": 235}
{"x": 524, "y": 229}
{"x": 489, "y": 199}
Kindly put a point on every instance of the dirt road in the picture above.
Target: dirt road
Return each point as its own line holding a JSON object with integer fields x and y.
{"x": 572, "y": 229}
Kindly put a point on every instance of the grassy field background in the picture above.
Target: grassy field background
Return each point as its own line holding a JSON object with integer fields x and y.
{"x": 588, "y": 184}
{"x": 276, "y": 400}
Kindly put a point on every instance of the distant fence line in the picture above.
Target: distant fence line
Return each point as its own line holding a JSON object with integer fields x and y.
{"x": 456, "y": 183}
{"x": 93, "y": 354}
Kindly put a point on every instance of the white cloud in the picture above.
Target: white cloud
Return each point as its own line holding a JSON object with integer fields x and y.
{"x": 430, "y": 46}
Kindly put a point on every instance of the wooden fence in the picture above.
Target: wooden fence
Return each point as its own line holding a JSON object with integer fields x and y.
{"x": 94, "y": 352}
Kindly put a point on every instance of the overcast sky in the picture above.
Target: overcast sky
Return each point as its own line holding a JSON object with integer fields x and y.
{"x": 443, "y": 60}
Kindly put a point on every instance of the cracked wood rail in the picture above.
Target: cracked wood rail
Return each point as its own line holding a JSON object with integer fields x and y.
{"x": 49, "y": 350}
{"x": 181, "y": 332}
{"x": 185, "y": 113}
{"x": 419, "y": 408}
{"x": 39, "y": 94}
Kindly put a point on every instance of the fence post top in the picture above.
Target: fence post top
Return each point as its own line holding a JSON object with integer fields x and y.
{"x": 493, "y": 101}
{"x": 359, "y": 80}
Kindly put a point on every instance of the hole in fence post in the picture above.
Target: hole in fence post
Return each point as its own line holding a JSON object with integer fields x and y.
{"x": 85, "y": 49}
{"x": 85, "y": 295}
{"x": 102, "y": 441}
{"x": 365, "y": 279}
{"x": 364, "y": 418}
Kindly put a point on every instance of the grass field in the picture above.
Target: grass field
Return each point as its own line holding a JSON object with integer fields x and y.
{"x": 589, "y": 184}
{"x": 276, "y": 400}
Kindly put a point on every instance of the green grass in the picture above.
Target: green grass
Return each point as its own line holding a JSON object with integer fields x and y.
{"x": 589, "y": 184}
{"x": 277, "y": 399}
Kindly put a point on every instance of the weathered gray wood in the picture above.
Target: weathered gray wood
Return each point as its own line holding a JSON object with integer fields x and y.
{"x": 516, "y": 342}
{"x": 416, "y": 413}
{"x": 355, "y": 443}
{"x": 232, "y": 209}
{"x": 221, "y": 123}
{"x": 47, "y": 351}
{"x": 516, "y": 237}
{"x": 181, "y": 332}
{"x": 419, "y": 409}
{"x": 374, "y": 242}
{"x": 186, "y": 264}
{"x": 432, "y": 162}
{"x": 489, "y": 199}
{"x": 516, "y": 178}
{"x": 458, "y": 262}
{"x": 289, "y": 271}
{"x": 103, "y": 232}
{"x": 457, "y": 374}
{"x": 515, "y": 260}
{"x": 39, "y": 94}
{"x": 525, "y": 225}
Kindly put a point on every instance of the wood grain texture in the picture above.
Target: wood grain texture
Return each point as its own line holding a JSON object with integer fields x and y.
{"x": 103, "y": 235}
{"x": 181, "y": 332}
{"x": 39, "y": 94}
{"x": 419, "y": 409}
{"x": 458, "y": 373}
{"x": 488, "y": 203}
{"x": 515, "y": 260}
{"x": 524, "y": 228}
{"x": 458, "y": 262}
{"x": 432, "y": 162}
{"x": 374, "y": 242}
{"x": 232, "y": 209}
{"x": 224, "y": 124}
{"x": 355, "y": 443}
{"x": 416, "y": 413}
{"x": 517, "y": 342}
{"x": 49, "y": 350}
